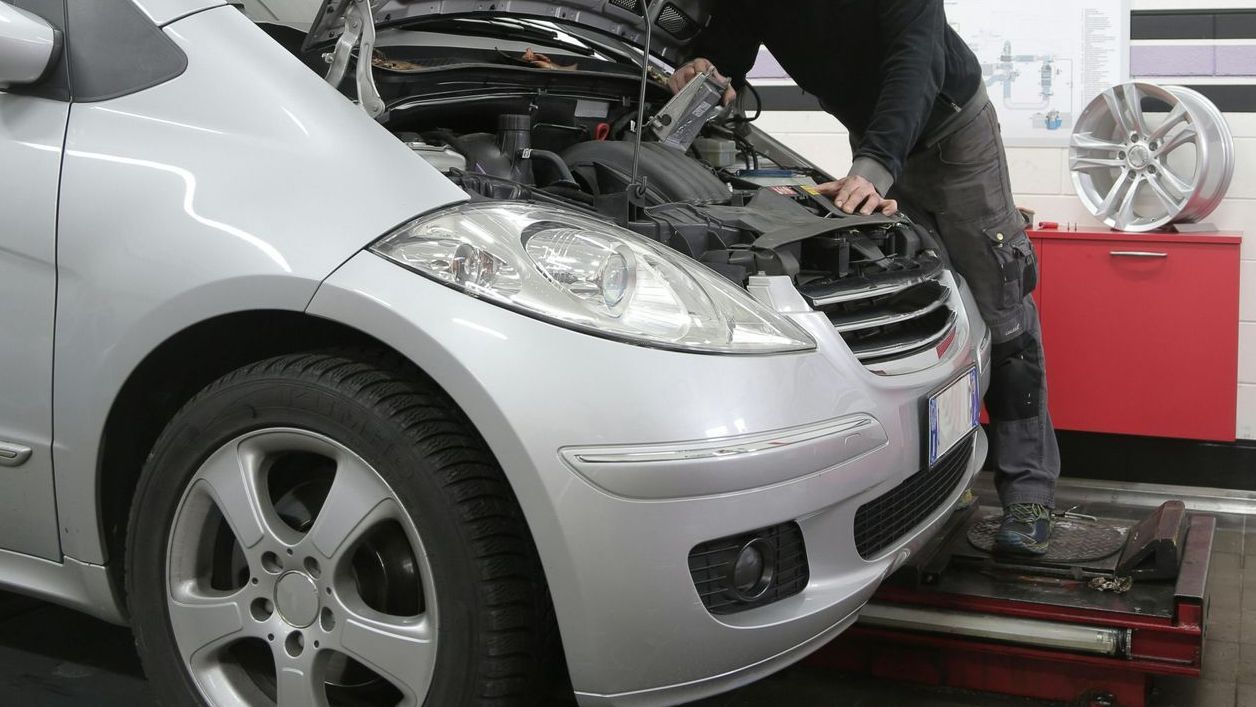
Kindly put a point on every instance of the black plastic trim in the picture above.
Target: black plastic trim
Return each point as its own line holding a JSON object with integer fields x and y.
{"x": 712, "y": 562}
{"x": 58, "y": 51}
{"x": 887, "y": 519}
{"x": 116, "y": 50}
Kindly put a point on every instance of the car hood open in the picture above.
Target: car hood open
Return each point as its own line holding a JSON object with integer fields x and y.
{"x": 676, "y": 22}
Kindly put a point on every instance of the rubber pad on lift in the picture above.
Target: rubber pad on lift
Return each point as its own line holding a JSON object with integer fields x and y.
{"x": 1072, "y": 540}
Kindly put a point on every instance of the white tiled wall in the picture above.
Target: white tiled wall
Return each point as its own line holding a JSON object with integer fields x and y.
{"x": 1041, "y": 179}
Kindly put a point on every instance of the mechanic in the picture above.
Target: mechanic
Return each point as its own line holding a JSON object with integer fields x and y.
{"x": 924, "y": 132}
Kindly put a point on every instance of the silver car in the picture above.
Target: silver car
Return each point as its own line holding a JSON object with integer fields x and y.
{"x": 416, "y": 379}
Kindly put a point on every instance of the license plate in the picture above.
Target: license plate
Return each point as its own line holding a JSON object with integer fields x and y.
{"x": 953, "y": 412}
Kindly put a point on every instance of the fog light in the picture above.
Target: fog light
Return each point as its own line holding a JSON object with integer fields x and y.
{"x": 749, "y": 570}
{"x": 753, "y": 571}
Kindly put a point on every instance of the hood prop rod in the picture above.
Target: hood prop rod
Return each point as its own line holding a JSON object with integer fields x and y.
{"x": 637, "y": 188}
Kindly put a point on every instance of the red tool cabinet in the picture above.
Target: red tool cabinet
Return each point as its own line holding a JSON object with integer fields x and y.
{"x": 1141, "y": 331}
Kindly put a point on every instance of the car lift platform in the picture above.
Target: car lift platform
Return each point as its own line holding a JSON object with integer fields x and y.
{"x": 1089, "y": 630}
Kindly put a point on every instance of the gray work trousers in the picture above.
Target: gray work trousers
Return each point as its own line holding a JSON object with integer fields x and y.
{"x": 959, "y": 188}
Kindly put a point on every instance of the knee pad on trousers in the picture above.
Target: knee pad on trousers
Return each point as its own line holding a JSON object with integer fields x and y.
{"x": 1016, "y": 380}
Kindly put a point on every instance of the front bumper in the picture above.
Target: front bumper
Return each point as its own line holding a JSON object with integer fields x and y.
{"x": 731, "y": 444}
{"x": 667, "y": 627}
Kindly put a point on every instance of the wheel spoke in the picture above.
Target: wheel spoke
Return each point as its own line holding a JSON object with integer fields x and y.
{"x": 1117, "y": 111}
{"x": 1177, "y": 115}
{"x": 1134, "y": 105}
{"x": 358, "y": 499}
{"x": 1181, "y": 186}
{"x": 203, "y": 624}
{"x": 1088, "y": 141}
{"x": 233, "y": 484}
{"x": 309, "y": 594}
{"x": 1125, "y": 214}
{"x": 1177, "y": 149}
{"x": 1185, "y": 136}
{"x": 402, "y": 651}
{"x": 300, "y": 686}
{"x": 1171, "y": 204}
{"x": 1114, "y": 195}
{"x": 1087, "y": 163}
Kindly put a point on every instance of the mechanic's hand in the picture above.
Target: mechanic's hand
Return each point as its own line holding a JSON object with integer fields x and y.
{"x": 689, "y": 71}
{"x": 856, "y": 193}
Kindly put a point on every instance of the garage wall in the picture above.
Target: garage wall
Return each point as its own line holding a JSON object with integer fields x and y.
{"x": 1212, "y": 50}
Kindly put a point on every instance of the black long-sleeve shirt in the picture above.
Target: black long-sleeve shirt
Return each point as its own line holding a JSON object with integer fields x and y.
{"x": 890, "y": 70}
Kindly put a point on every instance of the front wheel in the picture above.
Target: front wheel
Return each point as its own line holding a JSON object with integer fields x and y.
{"x": 328, "y": 530}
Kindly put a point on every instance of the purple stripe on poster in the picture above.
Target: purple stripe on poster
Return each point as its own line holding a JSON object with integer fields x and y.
{"x": 1172, "y": 61}
{"x": 767, "y": 67}
{"x": 1236, "y": 61}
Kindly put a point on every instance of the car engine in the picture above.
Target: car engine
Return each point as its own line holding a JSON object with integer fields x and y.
{"x": 528, "y": 128}
{"x": 738, "y": 221}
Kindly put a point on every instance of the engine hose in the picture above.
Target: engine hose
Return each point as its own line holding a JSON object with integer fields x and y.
{"x": 565, "y": 177}
{"x": 574, "y": 194}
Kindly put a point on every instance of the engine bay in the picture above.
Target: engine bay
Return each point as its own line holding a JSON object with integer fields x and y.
{"x": 505, "y": 121}
{"x": 733, "y": 200}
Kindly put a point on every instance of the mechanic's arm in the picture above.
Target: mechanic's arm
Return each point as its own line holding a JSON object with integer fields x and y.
{"x": 729, "y": 44}
{"x": 912, "y": 75}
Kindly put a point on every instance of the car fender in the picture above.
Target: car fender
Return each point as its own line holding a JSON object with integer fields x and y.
{"x": 238, "y": 185}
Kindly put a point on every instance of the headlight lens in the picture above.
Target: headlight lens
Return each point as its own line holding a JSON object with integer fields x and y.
{"x": 574, "y": 270}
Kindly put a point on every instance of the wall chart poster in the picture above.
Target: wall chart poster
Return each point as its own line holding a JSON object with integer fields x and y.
{"x": 1043, "y": 62}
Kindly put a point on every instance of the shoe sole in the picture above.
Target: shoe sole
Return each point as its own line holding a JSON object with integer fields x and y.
{"x": 1037, "y": 550}
{"x": 1023, "y": 548}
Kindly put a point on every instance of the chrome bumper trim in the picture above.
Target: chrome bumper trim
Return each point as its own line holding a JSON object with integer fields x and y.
{"x": 726, "y": 464}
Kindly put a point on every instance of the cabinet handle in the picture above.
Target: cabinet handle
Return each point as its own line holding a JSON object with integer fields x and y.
{"x": 1137, "y": 254}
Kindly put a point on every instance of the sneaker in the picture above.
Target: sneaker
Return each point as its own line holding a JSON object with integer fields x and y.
{"x": 1025, "y": 530}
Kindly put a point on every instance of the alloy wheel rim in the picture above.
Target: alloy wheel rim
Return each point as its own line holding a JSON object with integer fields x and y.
{"x": 295, "y": 577}
{"x": 1139, "y": 170}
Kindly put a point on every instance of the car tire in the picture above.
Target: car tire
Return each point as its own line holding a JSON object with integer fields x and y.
{"x": 226, "y": 530}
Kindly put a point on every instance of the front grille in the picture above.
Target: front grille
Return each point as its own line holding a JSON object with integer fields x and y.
{"x": 882, "y": 522}
{"x": 711, "y": 565}
{"x": 891, "y": 315}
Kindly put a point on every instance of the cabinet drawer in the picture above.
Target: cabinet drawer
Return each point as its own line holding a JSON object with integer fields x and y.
{"x": 1142, "y": 338}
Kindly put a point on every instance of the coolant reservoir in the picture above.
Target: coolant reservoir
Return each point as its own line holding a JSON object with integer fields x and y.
{"x": 716, "y": 152}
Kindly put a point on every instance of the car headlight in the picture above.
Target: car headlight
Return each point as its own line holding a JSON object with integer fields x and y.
{"x": 589, "y": 275}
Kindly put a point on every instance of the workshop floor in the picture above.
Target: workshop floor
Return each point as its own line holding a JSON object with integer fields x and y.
{"x": 52, "y": 657}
